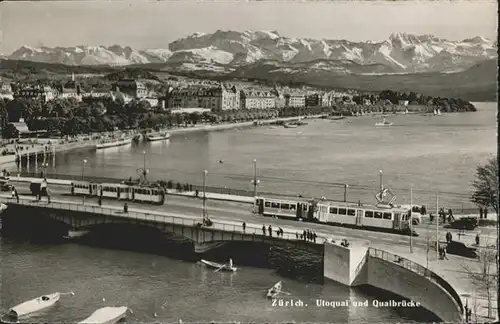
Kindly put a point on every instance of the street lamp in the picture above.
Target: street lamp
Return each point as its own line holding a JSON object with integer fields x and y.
{"x": 381, "y": 179}
{"x": 204, "y": 192}
{"x": 83, "y": 176}
{"x": 345, "y": 192}
{"x": 255, "y": 183}
{"x": 144, "y": 170}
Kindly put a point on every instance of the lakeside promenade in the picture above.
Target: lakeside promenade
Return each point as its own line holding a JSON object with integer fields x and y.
{"x": 449, "y": 269}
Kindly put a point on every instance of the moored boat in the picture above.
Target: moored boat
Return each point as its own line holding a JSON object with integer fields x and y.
{"x": 274, "y": 290}
{"x": 290, "y": 125}
{"x": 220, "y": 267}
{"x": 157, "y": 137}
{"x": 30, "y": 307}
{"x": 106, "y": 315}
{"x": 102, "y": 144}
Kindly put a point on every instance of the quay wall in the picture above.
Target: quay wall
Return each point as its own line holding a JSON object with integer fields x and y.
{"x": 389, "y": 276}
{"x": 359, "y": 265}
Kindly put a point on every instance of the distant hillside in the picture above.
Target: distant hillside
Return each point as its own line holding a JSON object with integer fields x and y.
{"x": 135, "y": 73}
{"x": 478, "y": 83}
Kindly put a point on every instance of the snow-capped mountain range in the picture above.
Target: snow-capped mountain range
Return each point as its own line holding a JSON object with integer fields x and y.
{"x": 229, "y": 51}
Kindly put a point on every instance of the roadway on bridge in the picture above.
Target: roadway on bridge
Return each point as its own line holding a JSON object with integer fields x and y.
{"x": 237, "y": 213}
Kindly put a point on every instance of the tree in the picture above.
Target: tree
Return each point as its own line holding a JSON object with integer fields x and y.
{"x": 485, "y": 185}
{"x": 10, "y": 131}
{"x": 484, "y": 277}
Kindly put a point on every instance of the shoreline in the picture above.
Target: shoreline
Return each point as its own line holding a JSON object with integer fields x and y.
{"x": 65, "y": 147}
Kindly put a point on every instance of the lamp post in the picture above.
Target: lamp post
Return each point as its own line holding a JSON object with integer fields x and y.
{"x": 345, "y": 192}
{"x": 411, "y": 220}
{"x": 204, "y": 192}
{"x": 255, "y": 183}
{"x": 144, "y": 170}
{"x": 381, "y": 179}
{"x": 83, "y": 176}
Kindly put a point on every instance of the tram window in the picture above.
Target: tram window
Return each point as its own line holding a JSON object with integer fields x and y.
{"x": 285, "y": 206}
{"x": 387, "y": 216}
{"x": 267, "y": 204}
{"x": 292, "y": 207}
{"x": 333, "y": 210}
{"x": 275, "y": 205}
{"x": 369, "y": 214}
{"x": 378, "y": 214}
{"x": 305, "y": 207}
{"x": 342, "y": 211}
{"x": 351, "y": 212}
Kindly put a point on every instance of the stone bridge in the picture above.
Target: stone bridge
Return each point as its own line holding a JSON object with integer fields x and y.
{"x": 80, "y": 216}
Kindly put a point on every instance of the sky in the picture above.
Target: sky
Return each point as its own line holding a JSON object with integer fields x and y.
{"x": 145, "y": 24}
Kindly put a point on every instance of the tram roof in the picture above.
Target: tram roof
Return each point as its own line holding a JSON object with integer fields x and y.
{"x": 334, "y": 203}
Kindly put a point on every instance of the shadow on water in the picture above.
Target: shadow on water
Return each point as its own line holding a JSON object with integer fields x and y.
{"x": 22, "y": 224}
{"x": 408, "y": 313}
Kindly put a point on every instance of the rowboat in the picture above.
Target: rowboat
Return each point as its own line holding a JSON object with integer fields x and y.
{"x": 274, "y": 290}
{"x": 157, "y": 137}
{"x": 220, "y": 267}
{"x": 31, "y": 307}
{"x": 76, "y": 234}
{"x": 290, "y": 125}
{"x": 106, "y": 315}
{"x": 384, "y": 123}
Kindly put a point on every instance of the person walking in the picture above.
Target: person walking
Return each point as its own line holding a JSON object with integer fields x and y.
{"x": 244, "y": 226}
{"x": 264, "y": 229}
{"x": 477, "y": 239}
{"x": 270, "y": 229}
{"x": 16, "y": 194}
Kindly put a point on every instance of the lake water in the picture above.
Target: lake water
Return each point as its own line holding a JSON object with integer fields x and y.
{"x": 429, "y": 154}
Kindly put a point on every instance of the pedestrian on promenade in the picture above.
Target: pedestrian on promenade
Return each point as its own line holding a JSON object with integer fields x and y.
{"x": 125, "y": 208}
{"x": 477, "y": 239}
{"x": 244, "y": 226}
{"x": 314, "y": 237}
{"x": 297, "y": 235}
{"x": 17, "y": 195}
{"x": 264, "y": 229}
{"x": 277, "y": 232}
{"x": 304, "y": 235}
{"x": 485, "y": 213}
{"x": 431, "y": 217}
{"x": 13, "y": 192}
{"x": 281, "y": 232}
{"x": 270, "y": 229}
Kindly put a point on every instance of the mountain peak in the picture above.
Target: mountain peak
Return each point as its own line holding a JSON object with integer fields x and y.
{"x": 401, "y": 52}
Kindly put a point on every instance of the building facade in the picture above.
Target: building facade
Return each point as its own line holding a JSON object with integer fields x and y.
{"x": 256, "y": 99}
{"x": 295, "y": 99}
{"x": 132, "y": 88}
{"x": 214, "y": 98}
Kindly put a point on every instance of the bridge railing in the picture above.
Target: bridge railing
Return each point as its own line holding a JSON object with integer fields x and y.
{"x": 417, "y": 268}
{"x": 159, "y": 217}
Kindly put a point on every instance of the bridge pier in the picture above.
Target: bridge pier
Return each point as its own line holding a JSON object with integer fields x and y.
{"x": 346, "y": 265}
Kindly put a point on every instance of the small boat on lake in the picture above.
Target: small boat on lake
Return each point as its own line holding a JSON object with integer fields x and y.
{"x": 220, "y": 267}
{"x": 274, "y": 290}
{"x": 157, "y": 137}
{"x": 106, "y": 315}
{"x": 384, "y": 123}
{"x": 76, "y": 234}
{"x": 105, "y": 143}
{"x": 337, "y": 117}
{"x": 290, "y": 125}
{"x": 30, "y": 307}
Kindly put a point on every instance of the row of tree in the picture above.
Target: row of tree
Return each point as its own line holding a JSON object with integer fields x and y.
{"x": 69, "y": 117}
